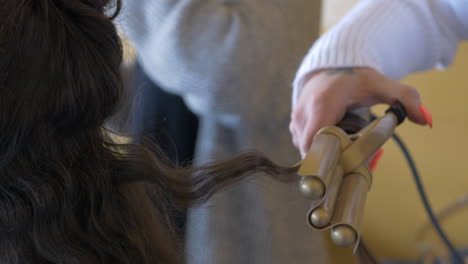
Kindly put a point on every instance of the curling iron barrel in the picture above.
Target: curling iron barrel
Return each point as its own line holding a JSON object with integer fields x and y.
{"x": 336, "y": 176}
{"x": 318, "y": 166}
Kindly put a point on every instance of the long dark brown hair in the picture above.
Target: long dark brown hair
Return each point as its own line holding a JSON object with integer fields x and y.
{"x": 68, "y": 192}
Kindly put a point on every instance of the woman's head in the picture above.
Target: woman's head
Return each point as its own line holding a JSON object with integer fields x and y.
{"x": 68, "y": 194}
{"x": 59, "y": 68}
{"x": 59, "y": 81}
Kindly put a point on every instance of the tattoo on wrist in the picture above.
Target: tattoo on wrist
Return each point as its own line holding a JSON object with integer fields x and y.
{"x": 341, "y": 70}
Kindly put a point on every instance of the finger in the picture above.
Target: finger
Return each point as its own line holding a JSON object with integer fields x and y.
{"x": 293, "y": 132}
{"x": 410, "y": 98}
{"x": 427, "y": 115}
{"x": 320, "y": 118}
{"x": 298, "y": 118}
{"x": 296, "y": 125}
{"x": 391, "y": 92}
{"x": 375, "y": 160}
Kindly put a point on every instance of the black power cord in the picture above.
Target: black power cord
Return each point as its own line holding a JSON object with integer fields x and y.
{"x": 400, "y": 112}
{"x": 456, "y": 257}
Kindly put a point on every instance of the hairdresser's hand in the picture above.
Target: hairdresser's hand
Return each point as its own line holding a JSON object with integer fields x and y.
{"x": 328, "y": 94}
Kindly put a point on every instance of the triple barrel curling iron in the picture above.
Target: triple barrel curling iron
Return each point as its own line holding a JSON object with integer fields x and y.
{"x": 336, "y": 175}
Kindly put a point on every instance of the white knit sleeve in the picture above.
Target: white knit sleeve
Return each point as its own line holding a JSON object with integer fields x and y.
{"x": 395, "y": 37}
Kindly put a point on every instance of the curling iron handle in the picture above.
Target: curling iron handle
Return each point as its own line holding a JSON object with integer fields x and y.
{"x": 399, "y": 111}
{"x": 357, "y": 119}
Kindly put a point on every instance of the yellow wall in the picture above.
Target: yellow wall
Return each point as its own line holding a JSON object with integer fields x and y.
{"x": 394, "y": 210}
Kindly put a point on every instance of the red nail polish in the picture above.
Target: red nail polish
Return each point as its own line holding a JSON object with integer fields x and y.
{"x": 427, "y": 115}
{"x": 375, "y": 160}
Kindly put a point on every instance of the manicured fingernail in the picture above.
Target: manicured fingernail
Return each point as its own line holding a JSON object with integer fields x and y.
{"x": 375, "y": 160}
{"x": 427, "y": 115}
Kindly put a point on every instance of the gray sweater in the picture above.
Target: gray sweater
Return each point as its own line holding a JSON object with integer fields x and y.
{"x": 233, "y": 62}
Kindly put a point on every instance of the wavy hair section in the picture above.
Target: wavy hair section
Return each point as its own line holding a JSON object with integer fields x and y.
{"x": 68, "y": 192}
